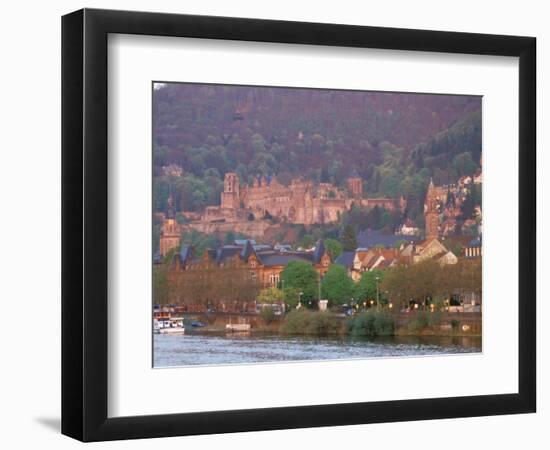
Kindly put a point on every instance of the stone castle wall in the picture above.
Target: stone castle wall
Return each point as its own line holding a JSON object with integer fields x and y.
{"x": 243, "y": 208}
{"x": 303, "y": 202}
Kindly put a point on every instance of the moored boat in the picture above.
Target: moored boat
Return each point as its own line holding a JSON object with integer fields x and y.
{"x": 237, "y": 327}
{"x": 168, "y": 325}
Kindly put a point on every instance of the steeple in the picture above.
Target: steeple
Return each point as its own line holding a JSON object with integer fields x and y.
{"x": 431, "y": 213}
{"x": 170, "y": 212}
{"x": 170, "y": 232}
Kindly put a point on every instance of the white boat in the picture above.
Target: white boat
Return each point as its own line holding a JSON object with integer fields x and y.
{"x": 175, "y": 330}
{"x": 237, "y": 327}
{"x": 168, "y": 326}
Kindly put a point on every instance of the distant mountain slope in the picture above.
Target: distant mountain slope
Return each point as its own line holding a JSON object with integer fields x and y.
{"x": 323, "y": 134}
{"x": 395, "y": 142}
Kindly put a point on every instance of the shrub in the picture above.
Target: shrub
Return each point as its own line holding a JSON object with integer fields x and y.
{"x": 371, "y": 323}
{"x": 267, "y": 314}
{"x": 420, "y": 322}
{"x": 303, "y": 321}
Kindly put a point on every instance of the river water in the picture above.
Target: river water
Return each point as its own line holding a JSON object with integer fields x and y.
{"x": 208, "y": 349}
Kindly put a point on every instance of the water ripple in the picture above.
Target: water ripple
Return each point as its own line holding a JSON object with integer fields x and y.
{"x": 185, "y": 350}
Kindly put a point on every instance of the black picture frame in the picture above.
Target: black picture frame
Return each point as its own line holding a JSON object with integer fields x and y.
{"x": 84, "y": 224}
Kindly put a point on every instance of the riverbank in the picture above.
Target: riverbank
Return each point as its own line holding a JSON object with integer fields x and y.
{"x": 370, "y": 323}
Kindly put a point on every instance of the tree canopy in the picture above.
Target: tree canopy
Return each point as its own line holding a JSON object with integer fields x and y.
{"x": 365, "y": 289}
{"x": 348, "y": 238}
{"x": 337, "y": 286}
{"x": 303, "y": 277}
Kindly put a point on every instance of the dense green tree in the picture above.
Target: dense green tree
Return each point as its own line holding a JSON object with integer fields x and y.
{"x": 337, "y": 286}
{"x": 200, "y": 241}
{"x": 229, "y": 238}
{"x": 271, "y": 295}
{"x": 467, "y": 207}
{"x": 291, "y": 296}
{"x": 333, "y": 247}
{"x": 302, "y": 276}
{"x": 307, "y": 241}
{"x": 366, "y": 287}
{"x": 160, "y": 285}
{"x": 348, "y": 238}
{"x": 463, "y": 164}
{"x": 390, "y": 186}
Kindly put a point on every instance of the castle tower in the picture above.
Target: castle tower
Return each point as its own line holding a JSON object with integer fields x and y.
{"x": 169, "y": 234}
{"x": 431, "y": 213}
{"x": 230, "y": 195}
{"x": 355, "y": 187}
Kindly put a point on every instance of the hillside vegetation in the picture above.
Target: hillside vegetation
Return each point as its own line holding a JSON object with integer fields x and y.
{"x": 395, "y": 142}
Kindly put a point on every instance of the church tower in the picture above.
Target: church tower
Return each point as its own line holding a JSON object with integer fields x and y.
{"x": 230, "y": 195}
{"x": 431, "y": 212}
{"x": 169, "y": 234}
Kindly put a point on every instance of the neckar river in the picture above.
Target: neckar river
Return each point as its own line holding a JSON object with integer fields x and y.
{"x": 202, "y": 349}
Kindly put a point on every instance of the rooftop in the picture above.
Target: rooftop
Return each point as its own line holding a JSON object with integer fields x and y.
{"x": 371, "y": 238}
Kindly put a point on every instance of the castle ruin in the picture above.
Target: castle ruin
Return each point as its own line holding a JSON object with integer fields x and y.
{"x": 251, "y": 210}
{"x": 302, "y": 202}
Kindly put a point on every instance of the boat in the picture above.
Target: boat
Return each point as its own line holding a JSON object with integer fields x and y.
{"x": 171, "y": 325}
{"x": 237, "y": 327}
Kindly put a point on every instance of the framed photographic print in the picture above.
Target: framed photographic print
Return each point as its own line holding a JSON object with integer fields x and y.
{"x": 274, "y": 224}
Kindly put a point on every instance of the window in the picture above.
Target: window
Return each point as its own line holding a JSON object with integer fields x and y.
{"x": 274, "y": 279}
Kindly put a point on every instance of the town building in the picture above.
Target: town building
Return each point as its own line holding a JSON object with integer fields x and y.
{"x": 234, "y": 272}
{"x": 172, "y": 170}
{"x": 435, "y": 198}
{"x": 409, "y": 228}
{"x": 473, "y": 249}
{"x": 431, "y": 248}
{"x": 170, "y": 231}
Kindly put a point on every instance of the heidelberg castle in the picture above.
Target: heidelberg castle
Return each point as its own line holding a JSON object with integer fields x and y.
{"x": 245, "y": 209}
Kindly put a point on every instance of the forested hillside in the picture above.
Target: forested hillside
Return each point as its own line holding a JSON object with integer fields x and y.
{"x": 395, "y": 142}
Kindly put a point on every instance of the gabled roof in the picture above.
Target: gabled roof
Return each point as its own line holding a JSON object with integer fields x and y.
{"x": 278, "y": 259}
{"x": 227, "y": 251}
{"x": 371, "y": 238}
{"x": 345, "y": 259}
{"x": 370, "y": 260}
{"x": 247, "y": 251}
{"x": 408, "y": 250}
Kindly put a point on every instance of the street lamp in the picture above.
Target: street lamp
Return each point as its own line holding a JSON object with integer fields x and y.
{"x": 377, "y": 293}
{"x": 299, "y": 299}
